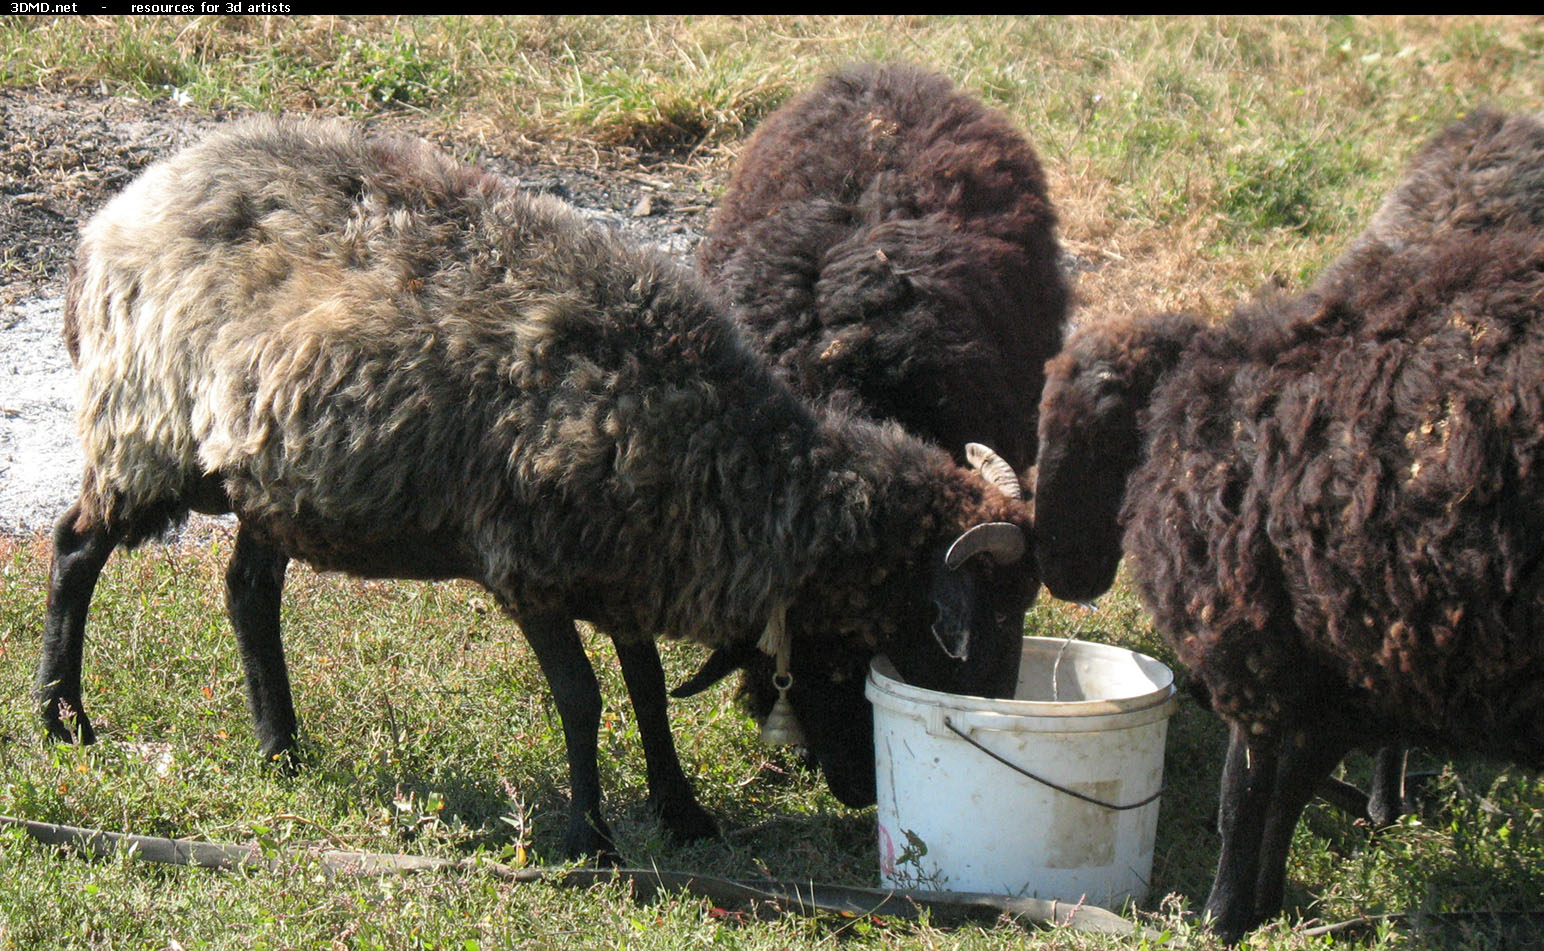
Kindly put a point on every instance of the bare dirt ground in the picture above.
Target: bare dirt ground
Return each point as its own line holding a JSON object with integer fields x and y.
{"x": 62, "y": 156}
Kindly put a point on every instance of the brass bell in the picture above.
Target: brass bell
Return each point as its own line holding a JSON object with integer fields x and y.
{"x": 781, "y": 727}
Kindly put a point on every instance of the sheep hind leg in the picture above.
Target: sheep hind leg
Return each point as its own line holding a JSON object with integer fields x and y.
{"x": 670, "y": 792}
{"x": 254, "y": 585}
{"x": 1386, "y": 797}
{"x": 1384, "y": 802}
{"x": 80, "y": 551}
{"x": 569, "y": 675}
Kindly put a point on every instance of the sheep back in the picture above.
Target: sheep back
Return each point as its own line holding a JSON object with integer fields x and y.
{"x": 1483, "y": 173}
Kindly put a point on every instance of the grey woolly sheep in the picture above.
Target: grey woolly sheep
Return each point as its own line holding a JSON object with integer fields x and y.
{"x": 887, "y": 241}
{"x": 388, "y": 363}
{"x": 1333, "y": 504}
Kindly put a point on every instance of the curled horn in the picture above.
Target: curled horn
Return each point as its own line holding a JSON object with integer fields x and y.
{"x": 1003, "y": 542}
{"x": 720, "y": 664}
{"x": 994, "y": 469}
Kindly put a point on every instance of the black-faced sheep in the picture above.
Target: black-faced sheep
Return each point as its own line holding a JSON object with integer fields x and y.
{"x": 388, "y": 363}
{"x": 1334, "y": 503}
{"x": 887, "y": 241}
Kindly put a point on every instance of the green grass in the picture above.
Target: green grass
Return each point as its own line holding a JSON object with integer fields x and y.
{"x": 428, "y": 731}
{"x": 1191, "y": 160}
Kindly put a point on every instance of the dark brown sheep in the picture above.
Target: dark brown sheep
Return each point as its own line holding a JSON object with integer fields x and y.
{"x": 388, "y": 363}
{"x": 887, "y": 241}
{"x": 887, "y": 246}
{"x": 1333, "y": 504}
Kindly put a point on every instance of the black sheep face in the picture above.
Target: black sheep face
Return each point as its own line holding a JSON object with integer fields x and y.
{"x": 838, "y": 724}
{"x": 835, "y": 719}
{"x": 1088, "y": 446}
{"x": 962, "y": 633}
{"x": 973, "y": 628}
{"x": 1090, "y": 442}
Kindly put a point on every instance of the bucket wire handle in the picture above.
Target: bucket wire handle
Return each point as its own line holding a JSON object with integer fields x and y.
{"x": 1056, "y": 666}
{"x": 1046, "y": 782}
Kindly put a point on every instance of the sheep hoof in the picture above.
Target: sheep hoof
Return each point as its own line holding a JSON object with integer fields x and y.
{"x": 285, "y": 761}
{"x": 1418, "y": 791}
{"x": 587, "y": 839}
{"x": 67, "y": 723}
{"x": 1228, "y": 924}
{"x": 1416, "y": 800}
{"x": 686, "y": 821}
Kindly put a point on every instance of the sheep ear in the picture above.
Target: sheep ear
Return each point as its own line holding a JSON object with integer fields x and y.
{"x": 994, "y": 469}
{"x": 1003, "y": 542}
{"x": 720, "y": 664}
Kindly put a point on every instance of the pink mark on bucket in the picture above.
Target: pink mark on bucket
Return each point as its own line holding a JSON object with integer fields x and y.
{"x": 886, "y": 852}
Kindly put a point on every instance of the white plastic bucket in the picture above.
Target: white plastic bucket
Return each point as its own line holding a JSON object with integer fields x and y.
{"x": 1089, "y": 718}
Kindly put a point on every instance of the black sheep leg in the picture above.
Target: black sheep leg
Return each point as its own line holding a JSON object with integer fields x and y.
{"x": 670, "y": 792}
{"x": 1304, "y": 763}
{"x": 1248, "y": 784}
{"x": 1386, "y": 798}
{"x": 1384, "y": 802}
{"x": 577, "y": 695}
{"x": 79, "y": 554}
{"x": 254, "y": 583}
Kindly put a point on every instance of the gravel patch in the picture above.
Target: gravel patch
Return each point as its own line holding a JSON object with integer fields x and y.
{"x": 39, "y": 458}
